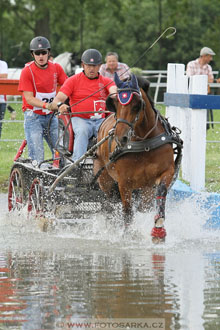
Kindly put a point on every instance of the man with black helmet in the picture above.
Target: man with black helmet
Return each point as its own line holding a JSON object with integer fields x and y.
{"x": 87, "y": 92}
{"x": 38, "y": 82}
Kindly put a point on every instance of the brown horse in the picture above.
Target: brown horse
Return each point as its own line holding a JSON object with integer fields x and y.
{"x": 140, "y": 155}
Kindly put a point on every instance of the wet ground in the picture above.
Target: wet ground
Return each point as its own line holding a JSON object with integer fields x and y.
{"x": 92, "y": 275}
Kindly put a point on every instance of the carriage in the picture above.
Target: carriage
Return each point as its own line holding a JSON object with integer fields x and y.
{"x": 136, "y": 156}
{"x": 30, "y": 183}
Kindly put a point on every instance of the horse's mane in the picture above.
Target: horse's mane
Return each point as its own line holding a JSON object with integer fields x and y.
{"x": 144, "y": 84}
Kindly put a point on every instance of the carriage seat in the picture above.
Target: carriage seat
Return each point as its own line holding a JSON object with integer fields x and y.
{"x": 66, "y": 137}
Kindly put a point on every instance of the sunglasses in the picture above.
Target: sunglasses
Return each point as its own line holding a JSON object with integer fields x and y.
{"x": 38, "y": 52}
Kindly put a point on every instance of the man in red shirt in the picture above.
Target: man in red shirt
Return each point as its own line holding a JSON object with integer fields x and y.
{"x": 38, "y": 82}
{"x": 87, "y": 91}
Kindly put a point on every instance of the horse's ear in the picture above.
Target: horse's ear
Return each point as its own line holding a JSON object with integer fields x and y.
{"x": 134, "y": 82}
{"x": 117, "y": 80}
{"x": 110, "y": 104}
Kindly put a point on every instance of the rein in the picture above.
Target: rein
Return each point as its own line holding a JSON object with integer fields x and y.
{"x": 151, "y": 130}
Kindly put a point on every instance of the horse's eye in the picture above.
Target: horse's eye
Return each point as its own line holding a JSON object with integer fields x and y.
{"x": 137, "y": 105}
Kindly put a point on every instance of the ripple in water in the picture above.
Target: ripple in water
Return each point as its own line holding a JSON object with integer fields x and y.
{"x": 92, "y": 269}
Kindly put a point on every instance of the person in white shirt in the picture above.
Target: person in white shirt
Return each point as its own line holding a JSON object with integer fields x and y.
{"x": 3, "y": 75}
{"x": 201, "y": 66}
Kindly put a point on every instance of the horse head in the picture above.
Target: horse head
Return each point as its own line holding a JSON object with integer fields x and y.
{"x": 68, "y": 61}
{"x": 127, "y": 107}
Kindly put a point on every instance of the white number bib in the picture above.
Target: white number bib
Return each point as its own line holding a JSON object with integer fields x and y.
{"x": 45, "y": 97}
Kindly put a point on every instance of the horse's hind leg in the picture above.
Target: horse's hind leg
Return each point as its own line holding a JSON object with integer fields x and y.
{"x": 158, "y": 232}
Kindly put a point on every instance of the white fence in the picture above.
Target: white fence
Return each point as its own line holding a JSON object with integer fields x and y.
{"x": 157, "y": 78}
{"x": 158, "y": 82}
{"x": 186, "y": 102}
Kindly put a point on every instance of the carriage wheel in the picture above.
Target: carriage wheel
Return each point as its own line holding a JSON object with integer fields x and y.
{"x": 16, "y": 197}
{"x": 35, "y": 198}
{"x": 37, "y": 205}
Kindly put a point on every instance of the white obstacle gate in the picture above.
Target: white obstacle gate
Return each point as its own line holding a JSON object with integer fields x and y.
{"x": 186, "y": 99}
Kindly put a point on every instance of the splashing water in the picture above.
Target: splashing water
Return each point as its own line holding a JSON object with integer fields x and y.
{"x": 184, "y": 225}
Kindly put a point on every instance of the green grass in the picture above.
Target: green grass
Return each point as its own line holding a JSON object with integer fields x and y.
{"x": 14, "y": 130}
{"x": 8, "y": 149}
{"x": 213, "y": 156}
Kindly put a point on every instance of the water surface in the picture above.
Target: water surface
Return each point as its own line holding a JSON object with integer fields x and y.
{"x": 92, "y": 271}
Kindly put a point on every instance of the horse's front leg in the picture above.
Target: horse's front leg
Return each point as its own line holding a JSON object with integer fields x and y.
{"x": 126, "y": 195}
{"x": 158, "y": 232}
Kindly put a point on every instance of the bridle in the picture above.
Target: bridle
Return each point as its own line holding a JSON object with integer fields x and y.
{"x": 133, "y": 92}
{"x": 131, "y": 132}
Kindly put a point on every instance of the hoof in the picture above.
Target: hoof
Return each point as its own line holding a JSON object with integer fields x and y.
{"x": 127, "y": 222}
{"x": 158, "y": 235}
{"x": 127, "y": 226}
{"x": 42, "y": 223}
{"x": 158, "y": 240}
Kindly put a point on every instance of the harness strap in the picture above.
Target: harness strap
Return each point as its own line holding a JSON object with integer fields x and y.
{"x": 151, "y": 130}
{"x": 129, "y": 89}
{"x": 120, "y": 120}
{"x": 146, "y": 145}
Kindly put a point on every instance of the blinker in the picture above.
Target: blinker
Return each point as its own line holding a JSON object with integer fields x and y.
{"x": 125, "y": 97}
{"x": 126, "y": 89}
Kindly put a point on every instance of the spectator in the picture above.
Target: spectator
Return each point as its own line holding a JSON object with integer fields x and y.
{"x": 88, "y": 90}
{"x": 112, "y": 65}
{"x": 201, "y": 66}
{"x": 38, "y": 82}
{"x": 3, "y": 75}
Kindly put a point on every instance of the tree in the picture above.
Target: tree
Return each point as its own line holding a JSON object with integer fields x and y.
{"x": 125, "y": 26}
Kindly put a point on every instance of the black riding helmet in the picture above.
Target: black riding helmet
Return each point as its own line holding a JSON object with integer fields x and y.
{"x": 39, "y": 43}
{"x": 91, "y": 56}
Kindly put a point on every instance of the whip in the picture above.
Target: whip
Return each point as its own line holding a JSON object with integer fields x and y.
{"x": 171, "y": 28}
{"x": 151, "y": 46}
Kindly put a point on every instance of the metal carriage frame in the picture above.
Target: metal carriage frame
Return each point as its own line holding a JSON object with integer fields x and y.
{"x": 36, "y": 186}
